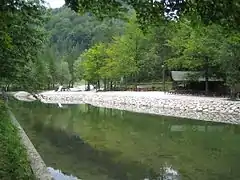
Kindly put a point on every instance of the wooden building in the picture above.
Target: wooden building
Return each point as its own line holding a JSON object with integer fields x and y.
{"x": 195, "y": 81}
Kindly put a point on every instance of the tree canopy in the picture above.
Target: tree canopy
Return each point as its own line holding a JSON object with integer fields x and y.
{"x": 21, "y": 35}
{"x": 114, "y": 42}
{"x": 224, "y": 12}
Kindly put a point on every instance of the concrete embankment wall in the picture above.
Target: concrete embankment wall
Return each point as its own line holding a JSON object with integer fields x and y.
{"x": 37, "y": 164}
{"x": 203, "y": 108}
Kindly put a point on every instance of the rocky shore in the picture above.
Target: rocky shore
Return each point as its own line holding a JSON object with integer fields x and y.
{"x": 202, "y": 108}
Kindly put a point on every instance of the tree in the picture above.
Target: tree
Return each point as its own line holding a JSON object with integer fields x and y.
{"x": 78, "y": 69}
{"x": 196, "y": 48}
{"x": 229, "y": 57}
{"x": 39, "y": 73}
{"x": 155, "y": 53}
{"x": 93, "y": 60}
{"x": 50, "y": 59}
{"x": 223, "y": 12}
{"x": 71, "y": 34}
{"x": 128, "y": 57}
{"x": 21, "y": 35}
{"x": 64, "y": 74}
{"x": 70, "y": 59}
{"x": 128, "y": 51}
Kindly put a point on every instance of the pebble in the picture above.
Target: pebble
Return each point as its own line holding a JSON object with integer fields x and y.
{"x": 212, "y": 109}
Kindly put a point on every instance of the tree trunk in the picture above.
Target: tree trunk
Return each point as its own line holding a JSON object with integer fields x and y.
{"x": 206, "y": 76}
{"x": 206, "y": 84}
{"x": 98, "y": 85}
{"x": 135, "y": 81}
{"x": 72, "y": 80}
{"x": 105, "y": 84}
{"x": 111, "y": 85}
{"x": 88, "y": 86}
{"x": 115, "y": 85}
{"x": 125, "y": 83}
{"x": 233, "y": 94}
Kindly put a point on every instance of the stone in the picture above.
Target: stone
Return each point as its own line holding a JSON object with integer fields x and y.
{"x": 182, "y": 106}
{"x": 199, "y": 109}
{"x": 230, "y": 111}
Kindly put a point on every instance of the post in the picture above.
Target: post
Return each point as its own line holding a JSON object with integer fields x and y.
{"x": 163, "y": 77}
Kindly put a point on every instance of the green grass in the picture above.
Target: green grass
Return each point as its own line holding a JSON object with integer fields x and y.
{"x": 13, "y": 157}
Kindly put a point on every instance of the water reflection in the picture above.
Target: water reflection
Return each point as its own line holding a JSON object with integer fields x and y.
{"x": 58, "y": 175}
{"x": 166, "y": 173}
{"x": 105, "y": 144}
{"x": 211, "y": 128}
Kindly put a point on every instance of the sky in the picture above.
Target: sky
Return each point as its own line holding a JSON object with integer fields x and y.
{"x": 55, "y": 3}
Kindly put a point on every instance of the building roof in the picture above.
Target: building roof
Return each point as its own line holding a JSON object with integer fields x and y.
{"x": 191, "y": 76}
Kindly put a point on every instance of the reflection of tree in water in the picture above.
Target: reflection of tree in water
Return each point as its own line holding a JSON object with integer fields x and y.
{"x": 165, "y": 173}
{"x": 74, "y": 146}
{"x": 200, "y": 150}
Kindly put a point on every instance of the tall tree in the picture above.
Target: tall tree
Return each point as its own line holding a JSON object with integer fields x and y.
{"x": 64, "y": 74}
{"x": 223, "y": 12}
{"x": 21, "y": 35}
{"x": 72, "y": 34}
{"x": 93, "y": 60}
{"x": 196, "y": 48}
{"x": 230, "y": 61}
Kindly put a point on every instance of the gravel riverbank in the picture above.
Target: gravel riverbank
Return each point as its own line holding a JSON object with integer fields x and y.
{"x": 202, "y": 108}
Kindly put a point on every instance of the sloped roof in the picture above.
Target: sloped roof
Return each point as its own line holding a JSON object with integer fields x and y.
{"x": 191, "y": 76}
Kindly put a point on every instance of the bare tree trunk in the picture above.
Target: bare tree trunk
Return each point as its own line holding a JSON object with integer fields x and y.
{"x": 233, "y": 94}
{"x": 115, "y": 85}
{"x": 88, "y": 86}
{"x": 111, "y": 85}
{"x": 206, "y": 76}
{"x": 105, "y": 84}
{"x": 206, "y": 85}
{"x": 98, "y": 84}
{"x": 7, "y": 87}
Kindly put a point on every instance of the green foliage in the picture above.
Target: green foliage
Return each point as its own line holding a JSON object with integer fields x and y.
{"x": 78, "y": 69}
{"x": 223, "y": 12}
{"x": 229, "y": 56}
{"x": 14, "y": 163}
{"x": 71, "y": 35}
{"x": 64, "y": 74}
{"x": 123, "y": 57}
{"x": 21, "y": 35}
{"x": 208, "y": 48}
{"x": 194, "y": 47}
{"x": 93, "y": 60}
{"x": 113, "y": 50}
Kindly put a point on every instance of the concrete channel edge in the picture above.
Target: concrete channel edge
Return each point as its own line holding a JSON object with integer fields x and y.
{"x": 38, "y": 166}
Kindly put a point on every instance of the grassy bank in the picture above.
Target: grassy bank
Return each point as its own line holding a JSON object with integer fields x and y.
{"x": 13, "y": 157}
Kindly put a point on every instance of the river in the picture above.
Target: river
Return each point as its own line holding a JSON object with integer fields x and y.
{"x": 93, "y": 143}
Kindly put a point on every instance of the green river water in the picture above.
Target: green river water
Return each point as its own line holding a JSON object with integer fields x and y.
{"x": 94, "y": 143}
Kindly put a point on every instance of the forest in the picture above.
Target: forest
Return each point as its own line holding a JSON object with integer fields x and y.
{"x": 123, "y": 42}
